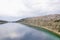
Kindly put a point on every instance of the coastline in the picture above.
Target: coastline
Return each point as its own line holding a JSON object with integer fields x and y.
{"x": 44, "y": 28}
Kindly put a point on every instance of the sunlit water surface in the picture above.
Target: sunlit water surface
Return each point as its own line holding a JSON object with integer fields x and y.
{"x": 15, "y": 31}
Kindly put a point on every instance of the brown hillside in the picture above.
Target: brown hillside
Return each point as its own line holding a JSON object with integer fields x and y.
{"x": 49, "y": 21}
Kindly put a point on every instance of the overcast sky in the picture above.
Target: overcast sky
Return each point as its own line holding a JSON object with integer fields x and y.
{"x": 22, "y": 8}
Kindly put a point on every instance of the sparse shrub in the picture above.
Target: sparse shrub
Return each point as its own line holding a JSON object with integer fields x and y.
{"x": 59, "y": 29}
{"x": 57, "y": 20}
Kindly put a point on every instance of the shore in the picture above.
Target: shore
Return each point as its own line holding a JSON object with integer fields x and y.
{"x": 45, "y": 28}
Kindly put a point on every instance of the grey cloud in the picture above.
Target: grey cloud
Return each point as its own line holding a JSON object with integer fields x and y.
{"x": 29, "y": 8}
{"x": 51, "y": 6}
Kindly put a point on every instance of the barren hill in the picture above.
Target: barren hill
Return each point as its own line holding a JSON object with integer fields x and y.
{"x": 51, "y": 22}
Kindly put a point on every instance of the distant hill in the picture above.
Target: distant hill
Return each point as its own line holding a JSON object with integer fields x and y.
{"x": 2, "y": 21}
{"x": 55, "y": 18}
{"x": 49, "y": 21}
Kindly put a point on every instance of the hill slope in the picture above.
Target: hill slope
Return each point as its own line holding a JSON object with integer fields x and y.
{"x": 51, "y": 22}
{"x": 2, "y": 21}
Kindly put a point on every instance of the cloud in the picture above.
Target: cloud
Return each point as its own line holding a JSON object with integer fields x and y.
{"x": 12, "y": 7}
{"x": 22, "y": 8}
{"x": 47, "y": 6}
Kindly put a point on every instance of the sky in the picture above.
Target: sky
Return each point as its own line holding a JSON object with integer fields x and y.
{"x": 29, "y": 8}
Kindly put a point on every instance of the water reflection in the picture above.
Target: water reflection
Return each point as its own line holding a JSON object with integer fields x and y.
{"x": 2, "y": 23}
{"x": 15, "y": 31}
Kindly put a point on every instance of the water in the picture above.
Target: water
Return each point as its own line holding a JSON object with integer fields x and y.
{"x": 15, "y": 31}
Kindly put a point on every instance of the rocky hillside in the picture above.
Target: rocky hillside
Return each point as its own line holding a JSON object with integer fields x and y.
{"x": 49, "y": 21}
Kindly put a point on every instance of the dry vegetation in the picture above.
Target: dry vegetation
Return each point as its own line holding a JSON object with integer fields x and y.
{"x": 49, "y": 21}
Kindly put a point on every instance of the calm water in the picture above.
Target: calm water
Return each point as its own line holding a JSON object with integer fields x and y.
{"x": 15, "y": 31}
